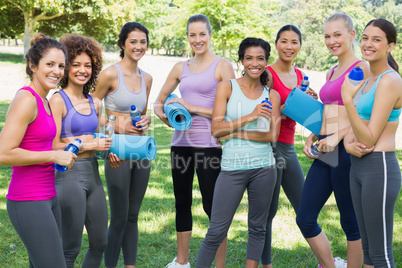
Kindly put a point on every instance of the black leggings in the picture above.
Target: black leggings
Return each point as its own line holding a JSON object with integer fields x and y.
{"x": 206, "y": 162}
{"x": 38, "y": 224}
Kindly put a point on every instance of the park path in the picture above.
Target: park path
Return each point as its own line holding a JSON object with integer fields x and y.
{"x": 13, "y": 77}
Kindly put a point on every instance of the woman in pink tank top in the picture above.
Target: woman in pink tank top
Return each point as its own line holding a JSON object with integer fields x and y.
{"x": 197, "y": 79}
{"x": 26, "y": 144}
{"x": 330, "y": 170}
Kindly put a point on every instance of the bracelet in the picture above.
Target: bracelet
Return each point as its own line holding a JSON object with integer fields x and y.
{"x": 83, "y": 146}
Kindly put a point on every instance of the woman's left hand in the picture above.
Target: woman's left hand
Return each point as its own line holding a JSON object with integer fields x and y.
{"x": 114, "y": 161}
{"x": 143, "y": 123}
{"x": 328, "y": 144}
{"x": 183, "y": 102}
{"x": 349, "y": 90}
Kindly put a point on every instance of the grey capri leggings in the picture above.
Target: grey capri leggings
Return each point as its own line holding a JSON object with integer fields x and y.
{"x": 291, "y": 177}
{"x": 375, "y": 182}
{"x": 229, "y": 190}
{"x": 38, "y": 224}
{"x": 126, "y": 187}
{"x": 83, "y": 202}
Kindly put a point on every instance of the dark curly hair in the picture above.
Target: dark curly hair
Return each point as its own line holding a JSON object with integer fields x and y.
{"x": 40, "y": 44}
{"x": 255, "y": 42}
{"x": 76, "y": 45}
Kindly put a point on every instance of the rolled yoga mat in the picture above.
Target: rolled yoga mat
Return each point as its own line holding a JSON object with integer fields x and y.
{"x": 130, "y": 147}
{"x": 178, "y": 116}
{"x": 305, "y": 110}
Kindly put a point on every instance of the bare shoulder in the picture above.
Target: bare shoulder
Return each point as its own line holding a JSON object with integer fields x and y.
{"x": 56, "y": 99}
{"x": 390, "y": 84}
{"x": 224, "y": 63}
{"x": 274, "y": 95}
{"x": 109, "y": 73}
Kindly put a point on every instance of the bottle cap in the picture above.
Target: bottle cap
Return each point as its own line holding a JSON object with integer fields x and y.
{"x": 305, "y": 81}
{"x": 77, "y": 143}
{"x": 133, "y": 107}
{"x": 267, "y": 101}
{"x": 356, "y": 74}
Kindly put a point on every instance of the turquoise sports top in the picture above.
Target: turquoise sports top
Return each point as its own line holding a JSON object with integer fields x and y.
{"x": 365, "y": 106}
{"x": 239, "y": 154}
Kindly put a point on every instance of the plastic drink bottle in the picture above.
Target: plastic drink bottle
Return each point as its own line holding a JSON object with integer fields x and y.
{"x": 106, "y": 132}
{"x": 135, "y": 115}
{"x": 74, "y": 147}
{"x": 304, "y": 84}
{"x": 262, "y": 122}
{"x": 356, "y": 75}
{"x": 315, "y": 151}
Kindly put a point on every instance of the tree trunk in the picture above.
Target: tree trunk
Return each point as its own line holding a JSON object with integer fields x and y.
{"x": 28, "y": 33}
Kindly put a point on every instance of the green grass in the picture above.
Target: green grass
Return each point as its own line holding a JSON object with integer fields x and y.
{"x": 157, "y": 239}
{"x": 12, "y": 58}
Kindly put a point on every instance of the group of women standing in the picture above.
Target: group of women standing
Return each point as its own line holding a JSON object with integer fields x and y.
{"x": 357, "y": 140}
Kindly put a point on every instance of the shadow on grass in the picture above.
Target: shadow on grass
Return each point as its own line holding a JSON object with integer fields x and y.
{"x": 12, "y": 58}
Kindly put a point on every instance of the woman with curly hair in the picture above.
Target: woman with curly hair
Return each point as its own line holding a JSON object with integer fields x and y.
{"x": 80, "y": 189}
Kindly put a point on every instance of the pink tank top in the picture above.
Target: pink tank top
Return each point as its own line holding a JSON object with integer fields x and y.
{"x": 330, "y": 92}
{"x": 35, "y": 182}
{"x": 198, "y": 89}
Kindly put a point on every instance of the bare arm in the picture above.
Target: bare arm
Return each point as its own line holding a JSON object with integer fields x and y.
{"x": 59, "y": 111}
{"x": 354, "y": 147}
{"x": 22, "y": 112}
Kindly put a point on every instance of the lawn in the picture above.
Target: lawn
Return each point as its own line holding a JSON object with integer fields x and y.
{"x": 157, "y": 239}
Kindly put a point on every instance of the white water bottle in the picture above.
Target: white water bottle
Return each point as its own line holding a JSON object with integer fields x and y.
{"x": 356, "y": 75}
{"x": 263, "y": 124}
{"x": 106, "y": 132}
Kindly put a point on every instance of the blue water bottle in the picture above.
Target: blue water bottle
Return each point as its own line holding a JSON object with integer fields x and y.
{"x": 74, "y": 147}
{"x": 263, "y": 123}
{"x": 304, "y": 85}
{"x": 315, "y": 151}
{"x": 356, "y": 75}
{"x": 135, "y": 115}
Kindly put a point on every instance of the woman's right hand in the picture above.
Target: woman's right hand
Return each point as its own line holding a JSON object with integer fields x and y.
{"x": 162, "y": 116}
{"x": 307, "y": 147}
{"x": 65, "y": 158}
{"x": 103, "y": 144}
{"x": 114, "y": 161}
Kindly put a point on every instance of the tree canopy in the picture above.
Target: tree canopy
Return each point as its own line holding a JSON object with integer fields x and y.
{"x": 231, "y": 21}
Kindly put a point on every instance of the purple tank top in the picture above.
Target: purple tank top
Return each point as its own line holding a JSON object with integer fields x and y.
{"x": 35, "y": 182}
{"x": 198, "y": 89}
{"x": 74, "y": 123}
{"x": 330, "y": 92}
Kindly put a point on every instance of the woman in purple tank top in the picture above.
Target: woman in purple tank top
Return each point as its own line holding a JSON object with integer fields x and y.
{"x": 329, "y": 172}
{"x": 197, "y": 79}
{"x": 26, "y": 144}
{"x": 80, "y": 190}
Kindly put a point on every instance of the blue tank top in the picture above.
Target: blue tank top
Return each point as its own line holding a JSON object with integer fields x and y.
{"x": 239, "y": 154}
{"x": 365, "y": 106}
{"x": 198, "y": 89}
{"x": 121, "y": 99}
{"x": 77, "y": 124}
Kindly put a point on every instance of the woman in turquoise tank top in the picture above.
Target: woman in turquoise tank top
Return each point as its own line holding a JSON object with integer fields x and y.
{"x": 197, "y": 79}
{"x": 247, "y": 159}
{"x": 329, "y": 172}
{"x": 375, "y": 172}
{"x": 80, "y": 189}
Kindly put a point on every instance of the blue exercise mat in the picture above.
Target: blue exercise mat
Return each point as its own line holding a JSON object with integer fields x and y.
{"x": 305, "y": 110}
{"x": 178, "y": 116}
{"x": 130, "y": 147}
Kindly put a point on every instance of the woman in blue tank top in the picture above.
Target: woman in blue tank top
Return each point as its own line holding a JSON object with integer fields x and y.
{"x": 247, "y": 159}
{"x": 122, "y": 85}
{"x": 375, "y": 177}
{"x": 80, "y": 189}
{"x": 197, "y": 79}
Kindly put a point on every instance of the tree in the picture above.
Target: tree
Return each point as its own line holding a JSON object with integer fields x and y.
{"x": 57, "y": 16}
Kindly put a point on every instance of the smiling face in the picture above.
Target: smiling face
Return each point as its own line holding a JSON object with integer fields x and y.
{"x": 135, "y": 45}
{"x": 254, "y": 61}
{"x": 198, "y": 37}
{"x": 80, "y": 70}
{"x": 288, "y": 45}
{"x": 338, "y": 38}
{"x": 50, "y": 69}
{"x": 374, "y": 44}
